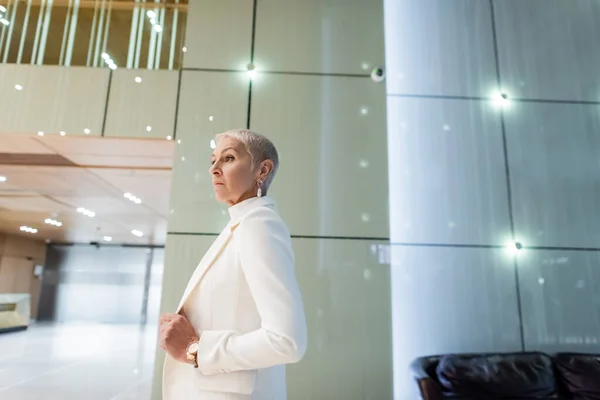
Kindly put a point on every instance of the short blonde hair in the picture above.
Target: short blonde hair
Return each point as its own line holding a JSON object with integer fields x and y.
{"x": 258, "y": 146}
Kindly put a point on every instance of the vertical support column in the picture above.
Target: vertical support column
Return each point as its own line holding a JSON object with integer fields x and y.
{"x": 44, "y": 37}
{"x": 140, "y": 33}
{"x": 24, "y": 32}
{"x": 63, "y": 45}
{"x": 72, "y": 30}
{"x": 173, "y": 36}
{"x": 38, "y": 31}
{"x": 13, "y": 14}
{"x": 132, "y": 35}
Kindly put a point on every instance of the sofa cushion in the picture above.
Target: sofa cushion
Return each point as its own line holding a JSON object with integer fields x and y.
{"x": 579, "y": 374}
{"x": 497, "y": 376}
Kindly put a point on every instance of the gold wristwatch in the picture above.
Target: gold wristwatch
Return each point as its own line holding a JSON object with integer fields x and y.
{"x": 192, "y": 353}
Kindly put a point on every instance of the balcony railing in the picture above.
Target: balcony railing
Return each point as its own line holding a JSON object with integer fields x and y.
{"x": 133, "y": 34}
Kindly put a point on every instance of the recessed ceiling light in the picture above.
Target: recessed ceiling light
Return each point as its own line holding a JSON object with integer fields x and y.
{"x": 148, "y": 128}
{"x": 2, "y": 179}
{"x": 40, "y": 133}
{"x": 151, "y": 14}
{"x": 87, "y": 131}
{"x": 133, "y": 198}
{"x": 169, "y": 137}
{"x": 53, "y": 222}
{"x": 86, "y": 212}
{"x": 158, "y": 28}
{"x": 63, "y": 133}
{"x": 18, "y": 87}
{"x": 107, "y": 238}
{"x": 138, "y": 79}
{"x": 184, "y": 49}
{"x": 137, "y": 233}
{"x": 211, "y": 118}
{"x": 2, "y": 9}
{"x": 28, "y": 229}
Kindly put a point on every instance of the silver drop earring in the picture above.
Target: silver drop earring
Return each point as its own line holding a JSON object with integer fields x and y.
{"x": 259, "y": 192}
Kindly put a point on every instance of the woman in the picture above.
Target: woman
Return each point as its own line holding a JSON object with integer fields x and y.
{"x": 241, "y": 318}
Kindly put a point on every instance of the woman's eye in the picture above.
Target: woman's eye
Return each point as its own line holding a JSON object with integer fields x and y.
{"x": 212, "y": 162}
{"x": 229, "y": 158}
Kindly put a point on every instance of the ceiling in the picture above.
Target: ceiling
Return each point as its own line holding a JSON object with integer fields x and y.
{"x": 50, "y": 177}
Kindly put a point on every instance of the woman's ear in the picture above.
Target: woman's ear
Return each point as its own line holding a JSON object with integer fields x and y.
{"x": 266, "y": 168}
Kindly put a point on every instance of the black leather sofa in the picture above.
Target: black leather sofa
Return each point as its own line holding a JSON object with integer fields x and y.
{"x": 509, "y": 376}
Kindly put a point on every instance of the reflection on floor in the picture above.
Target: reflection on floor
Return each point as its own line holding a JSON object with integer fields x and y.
{"x": 74, "y": 362}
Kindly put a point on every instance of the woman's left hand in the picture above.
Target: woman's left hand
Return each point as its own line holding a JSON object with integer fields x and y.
{"x": 176, "y": 333}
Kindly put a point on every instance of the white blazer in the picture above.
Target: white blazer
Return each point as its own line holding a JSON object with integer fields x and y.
{"x": 244, "y": 301}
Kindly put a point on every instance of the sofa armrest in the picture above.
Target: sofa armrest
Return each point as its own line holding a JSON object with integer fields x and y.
{"x": 428, "y": 387}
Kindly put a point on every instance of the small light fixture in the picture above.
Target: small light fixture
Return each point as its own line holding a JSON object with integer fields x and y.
{"x": 148, "y": 128}
{"x": 501, "y": 99}
{"x": 87, "y": 131}
{"x": 18, "y": 87}
{"x": 184, "y": 49}
{"x": 2, "y": 9}
{"x": 364, "y": 111}
{"x": 107, "y": 239}
{"x": 40, "y": 133}
{"x": 86, "y": 212}
{"x": 158, "y": 28}
{"x": 151, "y": 14}
{"x": 169, "y": 137}
{"x": 132, "y": 198}
{"x": 53, "y": 222}
{"x": 251, "y": 71}
{"x": 137, "y": 233}
{"x": 364, "y": 163}
{"x": 138, "y": 79}
{"x": 4, "y": 22}
{"x": 2, "y": 179}
{"x": 63, "y": 133}
{"x": 513, "y": 247}
{"x": 211, "y": 118}
{"x": 28, "y": 229}
{"x": 213, "y": 144}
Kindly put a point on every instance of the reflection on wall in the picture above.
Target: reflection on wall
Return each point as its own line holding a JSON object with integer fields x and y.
{"x": 107, "y": 284}
{"x": 494, "y": 114}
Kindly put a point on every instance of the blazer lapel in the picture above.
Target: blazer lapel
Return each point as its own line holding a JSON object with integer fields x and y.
{"x": 207, "y": 261}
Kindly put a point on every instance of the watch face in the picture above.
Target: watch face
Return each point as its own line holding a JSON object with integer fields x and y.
{"x": 193, "y": 348}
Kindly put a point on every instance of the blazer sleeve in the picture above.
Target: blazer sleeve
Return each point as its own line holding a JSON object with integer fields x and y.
{"x": 267, "y": 260}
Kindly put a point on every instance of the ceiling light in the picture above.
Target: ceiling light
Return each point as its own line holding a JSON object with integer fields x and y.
{"x": 213, "y": 144}
{"x": 107, "y": 238}
{"x": 184, "y": 49}
{"x": 148, "y": 128}
{"x": 2, "y": 179}
{"x": 211, "y": 118}
{"x": 87, "y": 131}
{"x": 158, "y": 28}
{"x": 364, "y": 111}
{"x": 4, "y": 22}
{"x": 63, "y": 133}
{"x": 2, "y": 9}
{"x": 53, "y": 222}
{"x": 151, "y": 14}
{"x": 138, "y": 79}
{"x": 137, "y": 233}
{"x": 40, "y": 133}
{"x": 501, "y": 99}
{"x": 133, "y": 198}
{"x": 169, "y": 137}
{"x": 251, "y": 71}
{"x": 28, "y": 229}
{"x": 514, "y": 248}
{"x": 86, "y": 212}
{"x": 105, "y": 56}
{"x": 18, "y": 87}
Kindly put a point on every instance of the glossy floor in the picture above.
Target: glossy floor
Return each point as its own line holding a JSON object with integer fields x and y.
{"x": 73, "y": 362}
